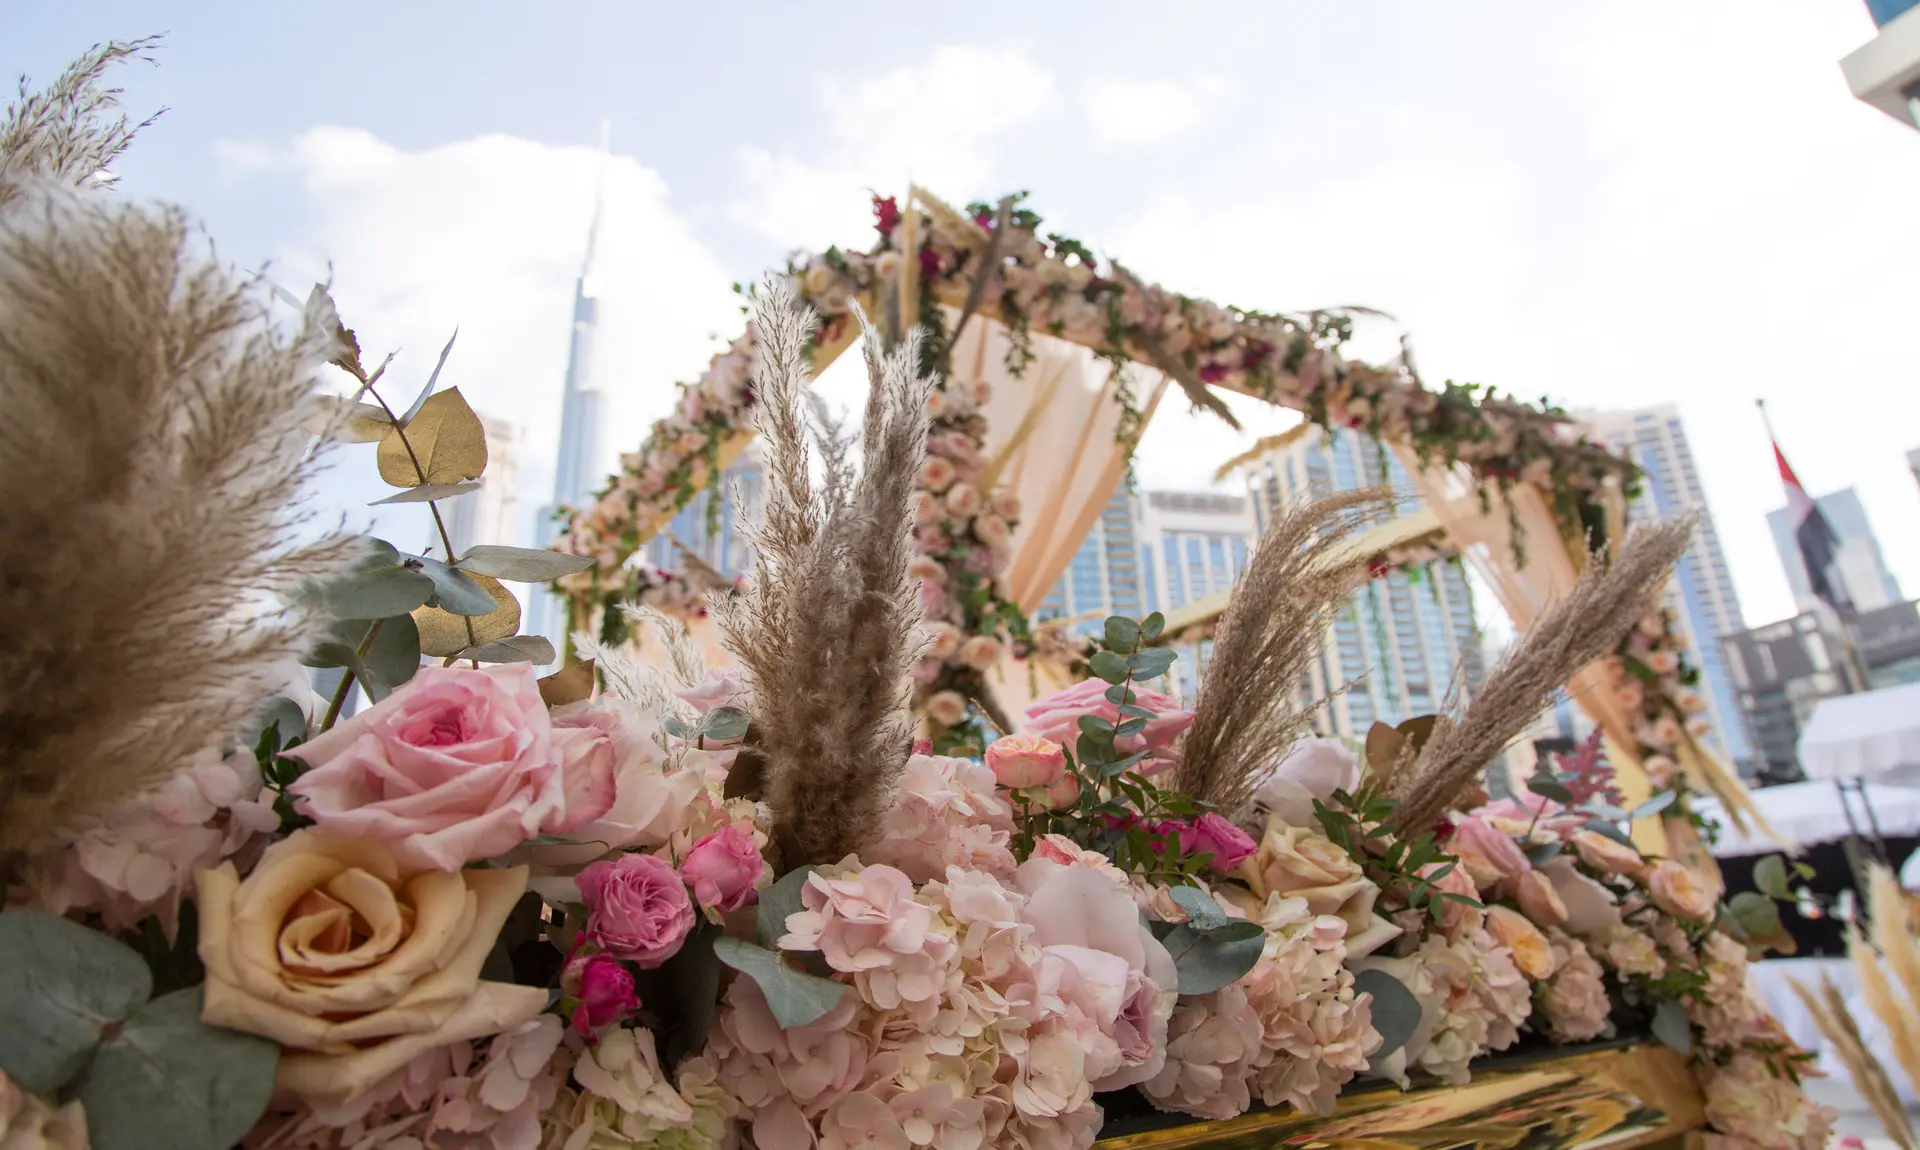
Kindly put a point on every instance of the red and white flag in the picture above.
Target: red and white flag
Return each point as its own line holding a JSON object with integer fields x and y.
{"x": 1819, "y": 546}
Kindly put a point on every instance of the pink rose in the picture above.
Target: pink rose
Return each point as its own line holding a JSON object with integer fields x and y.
{"x": 1057, "y": 717}
{"x": 637, "y": 907}
{"x": 981, "y": 652}
{"x": 723, "y": 868}
{"x": 457, "y": 765}
{"x": 963, "y": 500}
{"x": 947, "y": 708}
{"x": 1606, "y": 855}
{"x": 721, "y": 688}
{"x": 1488, "y": 855}
{"x": 992, "y": 530}
{"x": 936, "y": 474}
{"x": 1064, "y": 793}
{"x": 1457, "y": 918}
{"x": 1022, "y": 760}
{"x": 1214, "y": 834}
{"x": 1680, "y": 892}
{"x": 604, "y": 987}
{"x": 1539, "y": 900}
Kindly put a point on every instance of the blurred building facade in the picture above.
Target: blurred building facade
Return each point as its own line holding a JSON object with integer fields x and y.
{"x": 1701, "y": 594}
{"x": 1885, "y": 71}
{"x": 1861, "y": 568}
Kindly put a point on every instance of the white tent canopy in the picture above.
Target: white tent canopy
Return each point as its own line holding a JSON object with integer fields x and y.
{"x": 1811, "y": 812}
{"x": 1872, "y": 736}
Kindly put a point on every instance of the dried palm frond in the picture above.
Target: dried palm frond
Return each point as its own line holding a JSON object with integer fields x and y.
{"x": 1248, "y": 712}
{"x": 1842, "y": 1032}
{"x": 151, "y": 464}
{"x": 62, "y": 135}
{"x": 826, "y": 633}
{"x": 1614, "y": 590}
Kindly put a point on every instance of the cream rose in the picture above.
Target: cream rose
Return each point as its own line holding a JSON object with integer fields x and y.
{"x": 1301, "y": 863}
{"x": 1531, "y": 951}
{"x": 1680, "y": 892}
{"x": 351, "y": 964}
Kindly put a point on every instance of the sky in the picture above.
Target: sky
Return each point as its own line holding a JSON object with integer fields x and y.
{"x": 1635, "y": 202}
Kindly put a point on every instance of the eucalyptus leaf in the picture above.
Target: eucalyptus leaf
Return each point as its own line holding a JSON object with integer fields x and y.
{"x": 420, "y": 400}
{"x": 1119, "y": 694}
{"x": 1396, "y": 1012}
{"x": 1152, "y": 662}
{"x": 1770, "y": 876}
{"x": 279, "y": 714}
{"x": 725, "y": 724}
{"x": 1757, "y": 914}
{"x": 63, "y": 984}
{"x": 168, "y": 1081}
{"x": 777, "y": 902}
{"x": 456, "y": 591}
{"x": 1123, "y": 634}
{"x": 426, "y": 493}
{"x": 1206, "y": 961}
{"x": 513, "y": 649}
{"x": 1610, "y": 830}
{"x": 679, "y": 728}
{"x": 343, "y": 421}
{"x": 1655, "y": 805}
{"x": 1548, "y": 787}
{"x": 1096, "y": 726}
{"x": 377, "y": 586}
{"x": 394, "y": 654}
{"x": 1539, "y": 853}
{"x": 795, "y": 997}
{"x": 1108, "y": 666}
{"x": 333, "y": 653}
{"x": 1151, "y": 626}
{"x": 1670, "y": 1026}
{"x": 1202, "y": 911}
{"x": 521, "y": 564}
{"x": 444, "y": 439}
{"x": 1235, "y": 929}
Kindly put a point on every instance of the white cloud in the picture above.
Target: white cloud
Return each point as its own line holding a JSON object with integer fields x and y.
{"x": 1122, "y": 113}
{"x": 487, "y": 235}
{"x": 932, "y": 122}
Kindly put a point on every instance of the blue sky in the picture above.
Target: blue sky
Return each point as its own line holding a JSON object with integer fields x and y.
{"x": 1611, "y": 204}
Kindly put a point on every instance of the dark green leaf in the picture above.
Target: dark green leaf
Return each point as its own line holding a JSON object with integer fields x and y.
{"x": 1120, "y": 693}
{"x": 795, "y": 997}
{"x": 1770, "y": 876}
{"x": 693, "y": 976}
{"x": 1123, "y": 634}
{"x": 456, "y": 591}
{"x": 777, "y": 902}
{"x": 1539, "y": 853}
{"x": 1757, "y": 914}
{"x": 726, "y": 724}
{"x": 427, "y": 492}
{"x": 1548, "y": 787}
{"x": 394, "y": 655}
{"x": 1151, "y": 626}
{"x": 1130, "y": 727}
{"x": 1092, "y": 750}
{"x": 1670, "y": 1026}
{"x": 169, "y": 1081}
{"x": 63, "y": 984}
{"x": 521, "y": 564}
{"x": 1234, "y": 929}
{"x": 1096, "y": 726}
{"x": 1207, "y": 961}
{"x": 1108, "y": 666}
{"x": 512, "y": 649}
{"x": 278, "y": 721}
{"x": 1396, "y": 1012}
{"x": 1152, "y": 662}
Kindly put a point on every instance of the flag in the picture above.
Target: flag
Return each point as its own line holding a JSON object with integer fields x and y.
{"x": 1819, "y": 546}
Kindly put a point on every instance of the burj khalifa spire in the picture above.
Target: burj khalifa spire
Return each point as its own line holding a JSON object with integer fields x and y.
{"x": 575, "y": 474}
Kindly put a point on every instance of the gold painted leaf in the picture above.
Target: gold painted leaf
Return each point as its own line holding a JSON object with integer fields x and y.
{"x": 1383, "y": 750}
{"x": 570, "y": 685}
{"x": 447, "y": 438}
{"x": 346, "y": 421}
{"x": 443, "y": 633}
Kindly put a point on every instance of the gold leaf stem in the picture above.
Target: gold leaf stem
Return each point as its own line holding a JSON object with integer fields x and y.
{"x": 433, "y": 505}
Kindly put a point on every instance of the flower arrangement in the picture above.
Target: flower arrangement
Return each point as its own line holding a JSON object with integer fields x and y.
{"x": 610, "y": 908}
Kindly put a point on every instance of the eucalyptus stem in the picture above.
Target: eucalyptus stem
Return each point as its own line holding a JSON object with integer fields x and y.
{"x": 339, "y": 699}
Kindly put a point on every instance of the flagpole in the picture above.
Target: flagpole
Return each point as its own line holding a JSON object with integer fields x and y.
{"x": 1853, "y": 668}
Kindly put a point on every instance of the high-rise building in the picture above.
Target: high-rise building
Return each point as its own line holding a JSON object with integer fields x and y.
{"x": 576, "y": 463}
{"x": 486, "y": 515}
{"x": 709, "y": 524}
{"x": 1701, "y": 593}
{"x": 1885, "y": 71}
{"x": 1858, "y": 563}
{"x": 1403, "y": 640}
{"x": 1109, "y": 574}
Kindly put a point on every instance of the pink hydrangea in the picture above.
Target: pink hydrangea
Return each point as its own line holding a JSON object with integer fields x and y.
{"x": 1057, "y": 717}
{"x": 1213, "y": 1044}
{"x": 1752, "y": 1105}
{"x": 946, "y": 812}
{"x": 1316, "y": 1032}
{"x": 1574, "y": 1000}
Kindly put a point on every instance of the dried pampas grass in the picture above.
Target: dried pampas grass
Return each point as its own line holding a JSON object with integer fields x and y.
{"x": 1248, "y": 711}
{"x": 1894, "y": 947}
{"x": 1842, "y": 1032}
{"x": 826, "y": 633}
{"x": 63, "y": 135}
{"x": 1614, "y": 590}
{"x": 150, "y": 471}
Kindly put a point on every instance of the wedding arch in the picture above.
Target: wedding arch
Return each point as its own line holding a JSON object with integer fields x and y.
{"x": 1052, "y": 360}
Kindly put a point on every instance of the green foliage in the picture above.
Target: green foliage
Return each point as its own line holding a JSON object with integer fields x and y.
{"x": 65, "y": 985}
{"x": 1670, "y": 1026}
{"x": 521, "y": 564}
{"x": 1210, "y": 958}
{"x": 795, "y": 997}
{"x": 1359, "y": 823}
{"x": 1396, "y": 1012}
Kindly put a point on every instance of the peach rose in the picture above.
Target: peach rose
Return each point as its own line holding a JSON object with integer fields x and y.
{"x": 981, "y": 652}
{"x": 991, "y": 530}
{"x": 458, "y": 765}
{"x": 1531, "y": 951}
{"x": 1301, "y": 863}
{"x": 1538, "y": 899}
{"x": 1680, "y": 892}
{"x": 963, "y": 500}
{"x": 947, "y": 708}
{"x": 1488, "y": 855}
{"x": 1021, "y": 760}
{"x": 1608, "y": 856}
{"x": 353, "y": 963}
{"x": 936, "y": 474}
{"x": 1064, "y": 793}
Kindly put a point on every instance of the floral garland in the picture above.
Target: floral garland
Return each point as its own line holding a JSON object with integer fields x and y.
{"x": 1054, "y": 284}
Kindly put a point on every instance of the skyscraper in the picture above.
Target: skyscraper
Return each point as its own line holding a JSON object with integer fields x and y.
{"x": 1701, "y": 593}
{"x": 1858, "y": 563}
{"x": 713, "y": 532}
{"x": 1403, "y": 640}
{"x": 1105, "y": 575}
{"x": 576, "y": 463}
